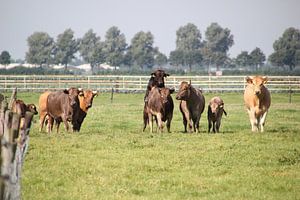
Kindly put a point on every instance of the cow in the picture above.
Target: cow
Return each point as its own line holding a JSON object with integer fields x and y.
{"x": 157, "y": 79}
{"x": 159, "y": 105}
{"x": 18, "y": 106}
{"x": 86, "y": 102}
{"x": 60, "y": 107}
{"x": 257, "y": 101}
{"x": 43, "y": 106}
{"x": 214, "y": 113}
{"x": 192, "y": 104}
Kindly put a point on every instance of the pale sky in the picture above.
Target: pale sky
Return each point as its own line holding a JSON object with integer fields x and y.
{"x": 254, "y": 23}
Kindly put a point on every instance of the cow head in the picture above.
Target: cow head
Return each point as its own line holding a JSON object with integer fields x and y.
{"x": 32, "y": 108}
{"x": 158, "y": 76}
{"x": 184, "y": 91}
{"x": 216, "y": 104}
{"x": 257, "y": 83}
{"x": 73, "y": 95}
{"x": 165, "y": 93}
{"x": 86, "y": 99}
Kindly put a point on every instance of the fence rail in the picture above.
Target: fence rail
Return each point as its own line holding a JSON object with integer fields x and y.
{"x": 35, "y": 83}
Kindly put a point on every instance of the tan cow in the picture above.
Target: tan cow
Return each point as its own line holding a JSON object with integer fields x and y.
{"x": 257, "y": 100}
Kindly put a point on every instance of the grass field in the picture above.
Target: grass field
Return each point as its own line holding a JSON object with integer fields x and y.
{"x": 111, "y": 158}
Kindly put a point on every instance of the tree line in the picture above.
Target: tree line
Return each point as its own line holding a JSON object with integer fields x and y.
{"x": 191, "y": 50}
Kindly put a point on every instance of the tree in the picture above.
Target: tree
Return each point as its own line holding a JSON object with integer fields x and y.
{"x": 65, "y": 48}
{"x": 175, "y": 57}
{"x": 114, "y": 46}
{"x": 91, "y": 49}
{"x": 160, "y": 58}
{"x": 217, "y": 43}
{"x": 188, "y": 44}
{"x": 40, "y": 48}
{"x": 257, "y": 58}
{"x": 141, "y": 49}
{"x": 286, "y": 49}
{"x": 5, "y": 58}
{"x": 243, "y": 59}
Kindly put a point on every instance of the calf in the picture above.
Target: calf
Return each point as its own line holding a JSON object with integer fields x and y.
{"x": 86, "y": 102}
{"x": 214, "y": 113}
{"x": 160, "y": 105}
{"x": 18, "y": 106}
{"x": 257, "y": 100}
{"x": 191, "y": 106}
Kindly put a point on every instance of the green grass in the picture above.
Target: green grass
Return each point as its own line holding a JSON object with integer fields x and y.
{"x": 111, "y": 158}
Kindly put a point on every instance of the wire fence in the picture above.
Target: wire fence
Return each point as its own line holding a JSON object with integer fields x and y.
{"x": 105, "y": 83}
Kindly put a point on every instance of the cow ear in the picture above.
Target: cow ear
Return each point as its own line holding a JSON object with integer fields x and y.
{"x": 81, "y": 94}
{"x": 95, "y": 93}
{"x": 66, "y": 91}
{"x": 152, "y": 74}
{"x": 265, "y": 79}
{"x": 249, "y": 79}
{"x": 172, "y": 90}
{"x": 165, "y": 75}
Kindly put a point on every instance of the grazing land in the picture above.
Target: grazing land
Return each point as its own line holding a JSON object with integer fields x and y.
{"x": 111, "y": 158}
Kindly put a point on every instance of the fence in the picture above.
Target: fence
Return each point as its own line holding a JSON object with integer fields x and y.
{"x": 37, "y": 83}
{"x": 14, "y": 138}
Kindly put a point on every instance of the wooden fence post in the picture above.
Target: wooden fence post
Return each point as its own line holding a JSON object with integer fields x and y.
{"x": 14, "y": 144}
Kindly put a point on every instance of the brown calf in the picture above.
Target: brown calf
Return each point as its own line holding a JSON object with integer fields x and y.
{"x": 160, "y": 105}
{"x": 21, "y": 108}
{"x": 214, "y": 113}
{"x": 257, "y": 100}
{"x": 191, "y": 105}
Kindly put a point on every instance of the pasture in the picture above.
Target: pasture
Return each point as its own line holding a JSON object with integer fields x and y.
{"x": 111, "y": 158}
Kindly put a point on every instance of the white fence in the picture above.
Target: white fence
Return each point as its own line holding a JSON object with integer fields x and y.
{"x": 37, "y": 83}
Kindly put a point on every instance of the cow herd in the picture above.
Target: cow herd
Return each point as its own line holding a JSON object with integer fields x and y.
{"x": 72, "y": 105}
{"x": 159, "y": 104}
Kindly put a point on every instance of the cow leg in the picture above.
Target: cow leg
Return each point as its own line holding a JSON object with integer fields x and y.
{"x": 184, "y": 123}
{"x": 262, "y": 121}
{"x": 196, "y": 124}
{"x": 159, "y": 121}
{"x": 57, "y": 125}
{"x": 253, "y": 120}
{"x": 209, "y": 125}
{"x": 214, "y": 126}
{"x": 50, "y": 124}
{"x": 169, "y": 119}
{"x": 150, "y": 122}
{"x": 42, "y": 121}
{"x": 218, "y": 124}
{"x": 66, "y": 125}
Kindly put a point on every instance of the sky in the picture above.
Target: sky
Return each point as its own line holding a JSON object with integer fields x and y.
{"x": 255, "y": 23}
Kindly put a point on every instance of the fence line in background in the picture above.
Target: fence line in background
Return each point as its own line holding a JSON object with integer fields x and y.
{"x": 38, "y": 83}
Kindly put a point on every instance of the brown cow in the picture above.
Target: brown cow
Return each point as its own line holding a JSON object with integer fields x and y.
{"x": 157, "y": 79}
{"x": 18, "y": 106}
{"x": 43, "y": 102}
{"x": 214, "y": 113}
{"x": 86, "y": 102}
{"x": 160, "y": 105}
{"x": 191, "y": 105}
{"x": 61, "y": 107}
{"x": 257, "y": 100}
